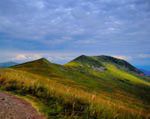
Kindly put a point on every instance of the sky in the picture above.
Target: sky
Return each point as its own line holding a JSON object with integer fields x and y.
{"x": 61, "y": 30}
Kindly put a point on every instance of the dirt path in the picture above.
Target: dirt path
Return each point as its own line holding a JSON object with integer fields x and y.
{"x": 12, "y": 107}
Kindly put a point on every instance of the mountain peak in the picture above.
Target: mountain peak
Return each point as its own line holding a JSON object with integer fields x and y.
{"x": 86, "y": 60}
{"x": 43, "y": 59}
{"x": 42, "y": 62}
{"x": 81, "y": 57}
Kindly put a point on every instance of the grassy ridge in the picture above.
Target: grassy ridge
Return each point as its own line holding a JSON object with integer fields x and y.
{"x": 77, "y": 90}
{"x": 114, "y": 79}
{"x": 64, "y": 101}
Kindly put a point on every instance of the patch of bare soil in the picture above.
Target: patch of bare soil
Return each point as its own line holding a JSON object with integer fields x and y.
{"x": 12, "y": 107}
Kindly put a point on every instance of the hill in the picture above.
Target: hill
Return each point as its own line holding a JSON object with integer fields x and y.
{"x": 87, "y": 87}
{"x": 99, "y": 60}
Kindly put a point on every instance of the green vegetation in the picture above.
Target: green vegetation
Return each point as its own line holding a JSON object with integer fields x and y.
{"x": 85, "y": 88}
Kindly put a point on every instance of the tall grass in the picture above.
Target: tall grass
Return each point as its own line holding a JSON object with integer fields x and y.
{"x": 64, "y": 101}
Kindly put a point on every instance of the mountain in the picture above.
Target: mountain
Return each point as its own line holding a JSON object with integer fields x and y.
{"x": 87, "y": 87}
{"x": 42, "y": 67}
{"x": 101, "y": 60}
{"x": 7, "y": 64}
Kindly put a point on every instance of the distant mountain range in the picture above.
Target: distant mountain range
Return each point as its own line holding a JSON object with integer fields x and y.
{"x": 7, "y": 64}
{"x": 146, "y": 72}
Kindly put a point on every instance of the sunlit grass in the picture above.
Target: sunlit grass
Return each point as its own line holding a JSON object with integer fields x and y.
{"x": 120, "y": 73}
{"x": 64, "y": 101}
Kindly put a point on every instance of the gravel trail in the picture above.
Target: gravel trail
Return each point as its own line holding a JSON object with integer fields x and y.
{"x": 12, "y": 107}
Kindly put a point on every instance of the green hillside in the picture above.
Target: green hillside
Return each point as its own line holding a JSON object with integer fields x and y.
{"x": 88, "y": 87}
{"x": 100, "y": 60}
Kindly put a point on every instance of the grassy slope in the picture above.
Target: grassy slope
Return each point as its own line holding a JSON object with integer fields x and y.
{"x": 76, "y": 86}
{"x": 116, "y": 79}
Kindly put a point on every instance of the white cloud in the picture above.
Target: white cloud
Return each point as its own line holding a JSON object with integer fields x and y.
{"x": 23, "y": 57}
{"x": 20, "y": 57}
{"x": 122, "y": 57}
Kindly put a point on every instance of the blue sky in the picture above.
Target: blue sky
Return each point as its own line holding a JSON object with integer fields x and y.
{"x": 60, "y": 30}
